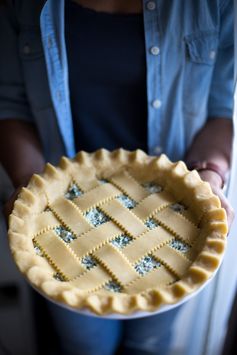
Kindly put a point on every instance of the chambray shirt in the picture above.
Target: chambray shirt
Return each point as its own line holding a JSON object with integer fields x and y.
{"x": 189, "y": 57}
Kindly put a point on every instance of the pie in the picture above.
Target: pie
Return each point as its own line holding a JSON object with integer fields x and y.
{"x": 117, "y": 232}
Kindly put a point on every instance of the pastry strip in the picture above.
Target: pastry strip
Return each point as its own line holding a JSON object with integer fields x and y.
{"x": 91, "y": 279}
{"x": 195, "y": 219}
{"x": 45, "y": 220}
{"x": 173, "y": 259}
{"x": 59, "y": 254}
{"x": 116, "y": 264}
{"x": 146, "y": 243}
{"x": 155, "y": 278}
{"x": 96, "y": 196}
{"x": 94, "y": 238}
{"x": 87, "y": 182}
{"x": 124, "y": 218}
{"x": 67, "y": 212}
{"x": 179, "y": 225}
{"x": 152, "y": 203}
{"x": 129, "y": 186}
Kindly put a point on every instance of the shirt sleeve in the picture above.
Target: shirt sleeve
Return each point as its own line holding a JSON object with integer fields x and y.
{"x": 220, "y": 102}
{"x": 13, "y": 99}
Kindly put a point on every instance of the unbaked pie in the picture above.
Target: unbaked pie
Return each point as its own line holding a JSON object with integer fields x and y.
{"x": 117, "y": 232}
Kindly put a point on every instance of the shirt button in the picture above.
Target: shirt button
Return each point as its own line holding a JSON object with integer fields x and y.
{"x": 156, "y": 104}
{"x": 212, "y": 54}
{"x": 155, "y": 50}
{"x": 151, "y": 5}
{"x": 26, "y": 49}
{"x": 157, "y": 150}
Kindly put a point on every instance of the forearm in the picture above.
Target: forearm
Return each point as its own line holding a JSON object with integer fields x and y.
{"x": 213, "y": 143}
{"x": 20, "y": 150}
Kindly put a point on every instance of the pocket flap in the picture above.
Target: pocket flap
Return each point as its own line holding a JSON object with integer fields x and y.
{"x": 202, "y": 47}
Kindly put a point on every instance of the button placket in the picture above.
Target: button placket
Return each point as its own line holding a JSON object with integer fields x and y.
{"x": 153, "y": 57}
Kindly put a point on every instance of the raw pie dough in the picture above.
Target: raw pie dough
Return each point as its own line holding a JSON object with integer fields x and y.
{"x": 117, "y": 232}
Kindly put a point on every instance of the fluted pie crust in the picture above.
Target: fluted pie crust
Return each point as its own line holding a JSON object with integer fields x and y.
{"x": 117, "y": 232}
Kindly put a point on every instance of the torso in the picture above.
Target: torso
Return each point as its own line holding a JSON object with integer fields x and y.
{"x": 107, "y": 78}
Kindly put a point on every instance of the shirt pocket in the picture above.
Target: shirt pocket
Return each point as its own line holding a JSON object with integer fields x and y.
{"x": 200, "y": 56}
{"x": 34, "y": 69}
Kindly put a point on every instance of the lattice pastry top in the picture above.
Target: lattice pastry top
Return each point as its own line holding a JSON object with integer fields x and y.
{"x": 117, "y": 232}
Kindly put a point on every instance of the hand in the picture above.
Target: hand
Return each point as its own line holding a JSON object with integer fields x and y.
{"x": 215, "y": 181}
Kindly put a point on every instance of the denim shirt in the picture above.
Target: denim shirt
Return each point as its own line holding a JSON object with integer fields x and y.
{"x": 189, "y": 57}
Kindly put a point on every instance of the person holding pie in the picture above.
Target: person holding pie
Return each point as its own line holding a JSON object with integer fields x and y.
{"x": 84, "y": 75}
